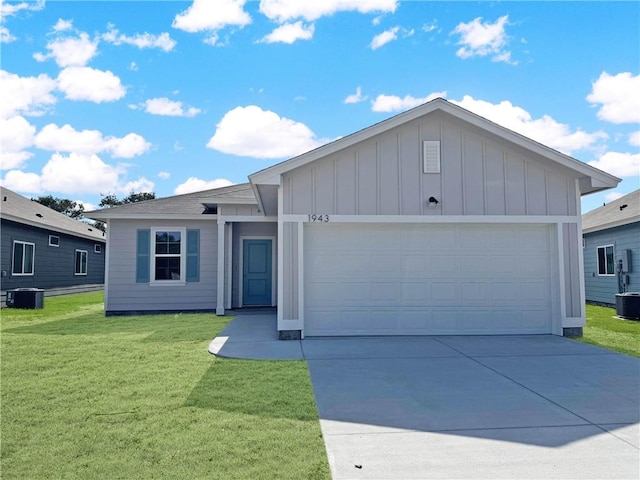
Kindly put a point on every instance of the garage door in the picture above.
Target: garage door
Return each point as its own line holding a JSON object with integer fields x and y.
{"x": 423, "y": 279}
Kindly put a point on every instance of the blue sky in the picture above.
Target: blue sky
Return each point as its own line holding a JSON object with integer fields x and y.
{"x": 178, "y": 96}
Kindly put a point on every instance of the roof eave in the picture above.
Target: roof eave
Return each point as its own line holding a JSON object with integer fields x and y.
{"x": 607, "y": 226}
{"x": 52, "y": 228}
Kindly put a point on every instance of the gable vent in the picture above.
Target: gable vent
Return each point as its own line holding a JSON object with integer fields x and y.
{"x": 431, "y": 156}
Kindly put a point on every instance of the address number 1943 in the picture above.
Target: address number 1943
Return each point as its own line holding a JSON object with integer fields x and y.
{"x": 319, "y": 218}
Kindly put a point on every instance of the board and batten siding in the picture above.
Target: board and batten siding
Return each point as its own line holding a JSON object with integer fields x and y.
{"x": 124, "y": 294}
{"x": 384, "y": 176}
{"x": 601, "y": 288}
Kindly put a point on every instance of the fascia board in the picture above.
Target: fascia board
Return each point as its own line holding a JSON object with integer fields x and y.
{"x": 150, "y": 216}
{"x": 53, "y": 228}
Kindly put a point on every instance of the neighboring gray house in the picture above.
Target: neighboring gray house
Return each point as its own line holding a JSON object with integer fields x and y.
{"x": 611, "y": 249}
{"x": 435, "y": 221}
{"x": 42, "y": 248}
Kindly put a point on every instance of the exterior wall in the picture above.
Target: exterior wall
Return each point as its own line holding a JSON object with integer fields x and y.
{"x": 251, "y": 210}
{"x": 602, "y": 289}
{"x": 570, "y": 242}
{"x": 54, "y": 267}
{"x": 384, "y": 176}
{"x": 257, "y": 229}
{"x": 123, "y": 294}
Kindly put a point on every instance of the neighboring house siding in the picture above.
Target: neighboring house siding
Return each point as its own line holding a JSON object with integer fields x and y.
{"x": 54, "y": 267}
{"x": 384, "y": 176}
{"x": 260, "y": 229}
{"x": 602, "y": 289}
{"x": 124, "y": 294}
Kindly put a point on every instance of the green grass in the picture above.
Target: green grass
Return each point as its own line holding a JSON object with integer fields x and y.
{"x": 604, "y": 329}
{"x": 84, "y": 396}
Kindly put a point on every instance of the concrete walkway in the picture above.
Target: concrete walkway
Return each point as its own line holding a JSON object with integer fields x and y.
{"x": 536, "y": 406}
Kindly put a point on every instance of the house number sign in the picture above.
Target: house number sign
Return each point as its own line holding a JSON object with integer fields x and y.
{"x": 319, "y": 218}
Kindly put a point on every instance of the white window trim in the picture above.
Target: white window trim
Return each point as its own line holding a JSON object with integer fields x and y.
{"x": 183, "y": 257}
{"x": 53, "y": 244}
{"x": 75, "y": 256}
{"x": 97, "y": 248}
{"x": 33, "y": 259}
{"x": 605, "y": 258}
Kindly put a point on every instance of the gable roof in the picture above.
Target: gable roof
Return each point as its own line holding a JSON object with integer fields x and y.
{"x": 590, "y": 178}
{"x": 188, "y": 205}
{"x": 613, "y": 214}
{"x": 19, "y": 209}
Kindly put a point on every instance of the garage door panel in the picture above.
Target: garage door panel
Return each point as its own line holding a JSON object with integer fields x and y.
{"x": 369, "y": 279}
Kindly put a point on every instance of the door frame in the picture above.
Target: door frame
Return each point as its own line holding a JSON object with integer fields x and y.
{"x": 274, "y": 264}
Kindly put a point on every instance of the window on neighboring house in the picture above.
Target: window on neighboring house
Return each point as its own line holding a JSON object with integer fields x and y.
{"x": 23, "y": 258}
{"x": 606, "y": 263}
{"x": 97, "y": 248}
{"x": 81, "y": 262}
{"x": 168, "y": 258}
{"x": 54, "y": 241}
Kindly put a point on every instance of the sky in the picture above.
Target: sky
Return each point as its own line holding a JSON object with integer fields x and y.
{"x": 113, "y": 97}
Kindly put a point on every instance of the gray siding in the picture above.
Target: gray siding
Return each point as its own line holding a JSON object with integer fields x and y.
{"x": 573, "y": 302}
{"x": 54, "y": 266}
{"x": 257, "y": 229}
{"x": 479, "y": 176}
{"x": 251, "y": 210}
{"x": 602, "y": 289}
{"x": 124, "y": 294}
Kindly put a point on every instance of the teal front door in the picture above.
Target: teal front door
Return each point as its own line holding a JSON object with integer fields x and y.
{"x": 257, "y": 274}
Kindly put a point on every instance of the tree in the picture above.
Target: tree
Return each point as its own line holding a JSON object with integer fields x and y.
{"x": 63, "y": 205}
{"x": 112, "y": 201}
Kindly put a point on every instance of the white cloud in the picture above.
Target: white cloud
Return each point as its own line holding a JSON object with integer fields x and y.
{"x": 619, "y": 96}
{"x": 78, "y": 174}
{"x": 289, "y": 33}
{"x": 613, "y": 196}
{"x": 430, "y": 27}
{"x": 26, "y": 95}
{"x": 356, "y": 97}
{"x": 482, "y": 39}
{"x": 5, "y": 35}
{"x": 140, "y": 40}
{"x": 384, "y": 38}
{"x": 253, "y": 132}
{"x": 88, "y": 142}
{"x": 133, "y": 66}
{"x": 545, "y": 130}
{"x": 164, "y": 175}
{"x": 393, "y": 103}
{"x": 193, "y": 184}
{"x": 634, "y": 139}
{"x": 85, "y": 83}
{"x": 10, "y": 9}
{"x": 63, "y": 25}
{"x": 205, "y": 15}
{"x": 137, "y": 186}
{"x": 166, "y": 107}
{"x": 619, "y": 164}
{"x": 285, "y": 10}
{"x": 70, "y": 52}
{"x": 16, "y": 134}
{"x": 20, "y": 181}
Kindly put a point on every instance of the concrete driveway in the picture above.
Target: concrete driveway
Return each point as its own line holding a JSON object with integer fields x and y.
{"x": 507, "y": 407}
{"x": 476, "y": 407}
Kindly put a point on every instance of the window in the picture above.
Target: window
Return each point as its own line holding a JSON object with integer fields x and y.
{"x": 606, "y": 264}
{"x": 81, "y": 262}
{"x": 23, "y": 256}
{"x": 54, "y": 241}
{"x": 168, "y": 259}
{"x": 97, "y": 248}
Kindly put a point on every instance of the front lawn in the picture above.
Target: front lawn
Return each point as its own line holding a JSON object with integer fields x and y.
{"x": 604, "y": 329}
{"x": 84, "y": 396}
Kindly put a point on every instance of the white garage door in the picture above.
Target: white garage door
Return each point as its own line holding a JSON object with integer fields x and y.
{"x": 423, "y": 279}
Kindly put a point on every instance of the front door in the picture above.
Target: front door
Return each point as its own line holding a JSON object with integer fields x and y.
{"x": 257, "y": 274}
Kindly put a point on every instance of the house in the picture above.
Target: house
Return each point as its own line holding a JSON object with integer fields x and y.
{"x": 611, "y": 249}
{"x": 42, "y": 248}
{"x": 435, "y": 221}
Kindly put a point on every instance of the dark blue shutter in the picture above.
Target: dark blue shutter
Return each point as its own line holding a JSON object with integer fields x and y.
{"x": 143, "y": 254}
{"x": 193, "y": 255}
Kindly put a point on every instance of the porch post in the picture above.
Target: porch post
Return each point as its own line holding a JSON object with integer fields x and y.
{"x": 221, "y": 262}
